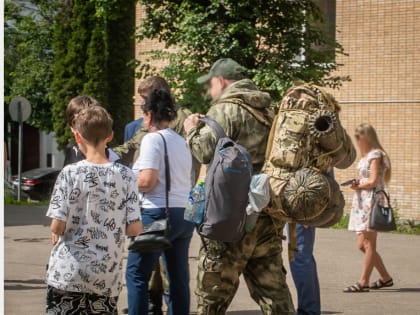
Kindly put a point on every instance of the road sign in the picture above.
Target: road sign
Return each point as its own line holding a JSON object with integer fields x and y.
{"x": 20, "y": 109}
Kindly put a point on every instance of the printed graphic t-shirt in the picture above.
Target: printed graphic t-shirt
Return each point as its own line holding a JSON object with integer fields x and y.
{"x": 96, "y": 201}
{"x": 152, "y": 156}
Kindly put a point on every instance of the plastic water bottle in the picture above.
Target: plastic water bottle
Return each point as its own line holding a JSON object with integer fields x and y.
{"x": 194, "y": 212}
{"x": 251, "y": 220}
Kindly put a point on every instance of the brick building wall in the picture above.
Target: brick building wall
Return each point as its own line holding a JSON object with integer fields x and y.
{"x": 141, "y": 48}
{"x": 382, "y": 38}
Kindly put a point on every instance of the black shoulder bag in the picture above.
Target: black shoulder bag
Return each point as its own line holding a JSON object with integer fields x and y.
{"x": 382, "y": 216}
{"x": 155, "y": 235}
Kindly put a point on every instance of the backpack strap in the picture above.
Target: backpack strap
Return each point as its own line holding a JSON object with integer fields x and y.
{"x": 271, "y": 138}
{"x": 292, "y": 246}
{"x": 265, "y": 117}
{"x": 215, "y": 126}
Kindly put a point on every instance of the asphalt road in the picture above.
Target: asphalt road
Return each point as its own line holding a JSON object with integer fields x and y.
{"x": 27, "y": 248}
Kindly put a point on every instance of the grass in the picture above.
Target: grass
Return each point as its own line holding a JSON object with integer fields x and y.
{"x": 403, "y": 226}
{"x": 343, "y": 223}
{"x": 408, "y": 227}
{"x": 10, "y": 200}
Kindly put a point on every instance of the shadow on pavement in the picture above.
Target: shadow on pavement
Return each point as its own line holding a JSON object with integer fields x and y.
{"x": 409, "y": 290}
{"x": 25, "y": 215}
{"x": 401, "y": 290}
{"x": 244, "y": 313}
{"x": 259, "y": 313}
{"x": 20, "y": 285}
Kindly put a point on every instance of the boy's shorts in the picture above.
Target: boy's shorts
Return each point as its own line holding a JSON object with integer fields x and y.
{"x": 61, "y": 302}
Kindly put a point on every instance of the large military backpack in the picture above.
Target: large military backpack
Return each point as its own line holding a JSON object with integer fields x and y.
{"x": 306, "y": 141}
{"x": 227, "y": 186}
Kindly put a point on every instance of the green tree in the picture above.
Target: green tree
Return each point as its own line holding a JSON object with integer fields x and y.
{"x": 277, "y": 40}
{"x": 71, "y": 40}
{"x": 121, "y": 31}
{"x": 94, "y": 46}
{"x": 28, "y": 61}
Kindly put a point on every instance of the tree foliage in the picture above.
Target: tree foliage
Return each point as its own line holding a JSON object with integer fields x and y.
{"x": 70, "y": 49}
{"x": 55, "y": 50}
{"x": 277, "y": 40}
{"x": 28, "y": 61}
{"x": 93, "y": 42}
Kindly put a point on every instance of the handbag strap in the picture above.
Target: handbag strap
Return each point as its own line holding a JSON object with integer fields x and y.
{"x": 167, "y": 176}
{"x": 381, "y": 191}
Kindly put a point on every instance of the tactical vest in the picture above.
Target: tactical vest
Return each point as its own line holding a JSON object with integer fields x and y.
{"x": 306, "y": 141}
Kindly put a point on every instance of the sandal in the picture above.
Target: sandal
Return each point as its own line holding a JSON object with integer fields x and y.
{"x": 356, "y": 288}
{"x": 381, "y": 284}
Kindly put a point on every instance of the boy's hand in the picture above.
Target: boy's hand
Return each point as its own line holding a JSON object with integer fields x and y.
{"x": 54, "y": 238}
{"x": 57, "y": 226}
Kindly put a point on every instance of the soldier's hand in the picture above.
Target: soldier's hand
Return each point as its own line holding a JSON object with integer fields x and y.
{"x": 192, "y": 122}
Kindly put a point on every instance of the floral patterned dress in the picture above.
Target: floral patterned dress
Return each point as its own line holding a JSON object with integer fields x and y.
{"x": 363, "y": 198}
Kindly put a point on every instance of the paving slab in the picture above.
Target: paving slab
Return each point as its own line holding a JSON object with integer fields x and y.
{"x": 27, "y": 249}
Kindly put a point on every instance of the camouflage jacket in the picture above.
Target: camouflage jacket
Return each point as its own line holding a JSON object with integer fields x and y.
{"x": 245, "y": 115}
{"x": 130, "y": 150}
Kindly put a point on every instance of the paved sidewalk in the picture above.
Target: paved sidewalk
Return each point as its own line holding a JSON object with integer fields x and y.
{"x": 27, "y": 247}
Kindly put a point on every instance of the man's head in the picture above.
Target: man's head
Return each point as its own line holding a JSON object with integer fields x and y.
{"x": 222, "y": 73}
{"x": 93, "y": 126}
{"x": 76, "y": 105}
{"x": 151, "y": 84}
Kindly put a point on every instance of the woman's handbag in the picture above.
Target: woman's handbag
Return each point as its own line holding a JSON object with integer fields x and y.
{"x": 154, "y": 236}
{"x": 381, "y": 216}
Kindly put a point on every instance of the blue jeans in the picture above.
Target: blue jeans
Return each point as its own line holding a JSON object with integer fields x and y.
{"x": 140, "y": 266}
{"x": 304, "y": 273}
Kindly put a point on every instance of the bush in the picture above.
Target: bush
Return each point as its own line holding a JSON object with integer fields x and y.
{"x": 343, "y": 223}
{"x": 403, "y": 226}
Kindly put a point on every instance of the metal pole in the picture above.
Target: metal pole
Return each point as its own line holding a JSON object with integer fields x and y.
{"x": 9, "y": 152}
{"x": 20, "y": 148}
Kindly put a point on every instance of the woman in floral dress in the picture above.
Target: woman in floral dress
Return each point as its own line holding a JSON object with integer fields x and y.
{"x": 374, "y": 172}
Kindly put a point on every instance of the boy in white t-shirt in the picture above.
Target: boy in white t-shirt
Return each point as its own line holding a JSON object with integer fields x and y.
{"x": 94, "y": 203}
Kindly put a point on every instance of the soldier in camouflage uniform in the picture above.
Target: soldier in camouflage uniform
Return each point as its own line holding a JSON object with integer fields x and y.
{"x": 129, "y": 152}
{"x": 245, "y": 115}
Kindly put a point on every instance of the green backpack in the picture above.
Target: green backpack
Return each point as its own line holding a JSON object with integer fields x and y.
{"x": 306, "y": 141}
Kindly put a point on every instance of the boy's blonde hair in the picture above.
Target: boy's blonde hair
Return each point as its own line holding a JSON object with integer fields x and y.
{"x": 94, "y": 124}
{"x": 78, "y": 103}
{"x": 372, "y": 137}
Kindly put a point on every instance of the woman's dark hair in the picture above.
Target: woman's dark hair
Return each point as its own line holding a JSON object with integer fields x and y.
{"x": 161, "y": 105}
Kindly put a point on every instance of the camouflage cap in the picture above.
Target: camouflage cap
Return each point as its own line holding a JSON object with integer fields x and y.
{"x": 226, "y": 68}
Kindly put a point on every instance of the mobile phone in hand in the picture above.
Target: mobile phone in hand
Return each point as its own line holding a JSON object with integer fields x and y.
{"x": 348, "y": 183}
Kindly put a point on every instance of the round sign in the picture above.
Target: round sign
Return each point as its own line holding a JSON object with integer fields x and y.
{"x": 20, "y": 109}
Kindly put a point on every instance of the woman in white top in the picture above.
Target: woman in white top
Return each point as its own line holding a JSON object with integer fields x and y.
{"x": 159, "y": 111}
{"x": 374, "y": 172}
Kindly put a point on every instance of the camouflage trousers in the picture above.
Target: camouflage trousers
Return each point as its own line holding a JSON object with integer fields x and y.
{"x": 258, "y": 257}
